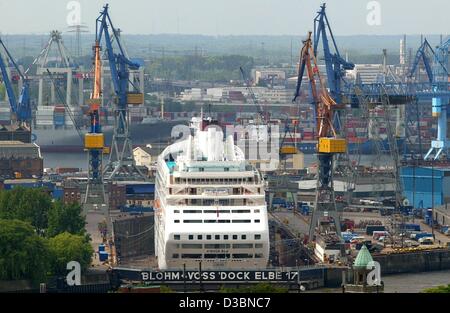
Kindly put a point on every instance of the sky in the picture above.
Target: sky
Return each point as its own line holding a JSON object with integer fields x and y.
{"x": 231, "y": 17}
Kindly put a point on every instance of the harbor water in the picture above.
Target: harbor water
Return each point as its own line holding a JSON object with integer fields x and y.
{"x": 405, "y": 283}
{"x": 79, "y": 160}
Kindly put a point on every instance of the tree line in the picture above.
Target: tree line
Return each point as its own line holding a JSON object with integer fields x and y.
{"x": 39, "y": 236}
{"x": 221, "y": 68}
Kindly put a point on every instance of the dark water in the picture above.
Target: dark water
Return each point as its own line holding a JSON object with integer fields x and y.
{"x": 406, "y": 283}
{"x": 416, "y": 282}
{"x": 79, "y": 160}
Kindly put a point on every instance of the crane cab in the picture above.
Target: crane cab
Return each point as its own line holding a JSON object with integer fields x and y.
{"x": 332, "y": 145}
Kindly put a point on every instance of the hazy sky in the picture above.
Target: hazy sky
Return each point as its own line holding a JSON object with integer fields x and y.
{"x": 230, "y": 17}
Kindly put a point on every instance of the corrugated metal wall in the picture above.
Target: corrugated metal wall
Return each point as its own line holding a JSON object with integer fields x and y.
{"x": 421, "y": 184}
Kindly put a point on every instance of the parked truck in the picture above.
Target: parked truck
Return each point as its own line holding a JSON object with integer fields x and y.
{"x": 418, "y": 236}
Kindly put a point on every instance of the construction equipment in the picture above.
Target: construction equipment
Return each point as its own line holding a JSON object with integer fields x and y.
{"x": 262, "y": 116}
{"x": 121, "y": 161}
{"x": 286, "y": 149}
{"x": 440, "y": 80}
{"x": 61, "y": 99}
{"x": 94, "y": 141}
{"x": 426, "y": 54}
{"x": 64, "y": 66}
{"x": 335, "y": 64}
{"x": 20, "y": 107}
{"x": 328, "y": 143}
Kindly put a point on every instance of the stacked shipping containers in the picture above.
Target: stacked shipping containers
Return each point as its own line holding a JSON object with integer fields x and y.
{"x": 44, "y": 116}
{"x": 59, "y": 115}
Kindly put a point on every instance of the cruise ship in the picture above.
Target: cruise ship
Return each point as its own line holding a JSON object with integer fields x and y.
{"x": 210, "y": 207}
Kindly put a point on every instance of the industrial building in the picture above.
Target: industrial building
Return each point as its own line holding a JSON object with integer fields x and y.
{"x": 269, "y": 75}
{"x": 442, "y": 216}
{"x": 367, "y": 73}
{"x": 425, "y": 186}
{"x": 14, "y": 133}
{"x": 142, "y": 156}
{"x": 20, "y": 160}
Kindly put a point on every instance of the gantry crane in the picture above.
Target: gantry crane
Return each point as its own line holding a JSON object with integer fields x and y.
{"x": 20, "y": 107}
{"x": 440, "y": 82}
{"x": 121, "y": 161}
{"x": 328, "y": 142}
{"x": 425, "y": 53}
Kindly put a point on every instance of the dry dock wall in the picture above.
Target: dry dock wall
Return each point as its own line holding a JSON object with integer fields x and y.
{"x": 433, "y": 260}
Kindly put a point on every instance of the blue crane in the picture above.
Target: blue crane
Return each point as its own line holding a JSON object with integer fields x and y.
{"x": 20, "y": 107}
{"x": 334, "y": 63}
{"x": 121, "y": 158}
{"x": 426, "y": 54}
{"x": 440, "y": 81}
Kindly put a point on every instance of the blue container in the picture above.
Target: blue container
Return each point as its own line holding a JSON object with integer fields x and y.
{"x": 410, "y": 227}
{"x": 58, "y": 194}
{"x": 103, "y": 256}
{"x": 305, "y": 209}
{"x": 101, "y": 247}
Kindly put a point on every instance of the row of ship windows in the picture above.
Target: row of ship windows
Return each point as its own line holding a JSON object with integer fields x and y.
{"x": 221, "y": 202}
{"x": 219, "y": 246}
{"x": 217, "y": 211}
{"x": 208, "y": 181}
{"x": 216, "y": 256}
{"x": 216, "y": 221}
{"x": 216, "y": 237}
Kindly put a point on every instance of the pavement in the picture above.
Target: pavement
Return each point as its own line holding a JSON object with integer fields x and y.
{"x": 295, "y": 222}
{"x": 92, "y": 219}
{"x": 298, "y": 223}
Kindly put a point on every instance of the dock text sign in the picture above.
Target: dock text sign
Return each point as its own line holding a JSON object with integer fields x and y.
{"x": 217, "y": 276}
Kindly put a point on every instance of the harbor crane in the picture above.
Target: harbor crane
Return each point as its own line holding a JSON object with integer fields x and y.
{"x": 328, "y": 142}
{"x": 94, "y": 141}
{"x": 20, "y": 107}
{"x": 121, "y": 161}
{"x": 440, "y": 80}
{"x": 426, "y": 54}
{"x": 334, "y": 63}
{"x": 261, "y": 114}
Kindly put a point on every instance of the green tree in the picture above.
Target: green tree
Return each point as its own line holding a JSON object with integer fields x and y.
{"x": 23, "y": 254}
{"x": 66, "y": 218}
{"x": 259, "y": 288}
{"x": 67, "y": 247}
{"x": 165, "y": 289}
{"x": 26, "y": 204}
{"x": 439, "y": 289}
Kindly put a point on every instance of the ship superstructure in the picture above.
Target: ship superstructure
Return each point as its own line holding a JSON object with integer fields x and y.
{"x": 210, "y": 204}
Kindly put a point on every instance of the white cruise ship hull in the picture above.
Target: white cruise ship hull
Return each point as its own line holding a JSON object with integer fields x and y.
{"x": 210, "y": 208}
